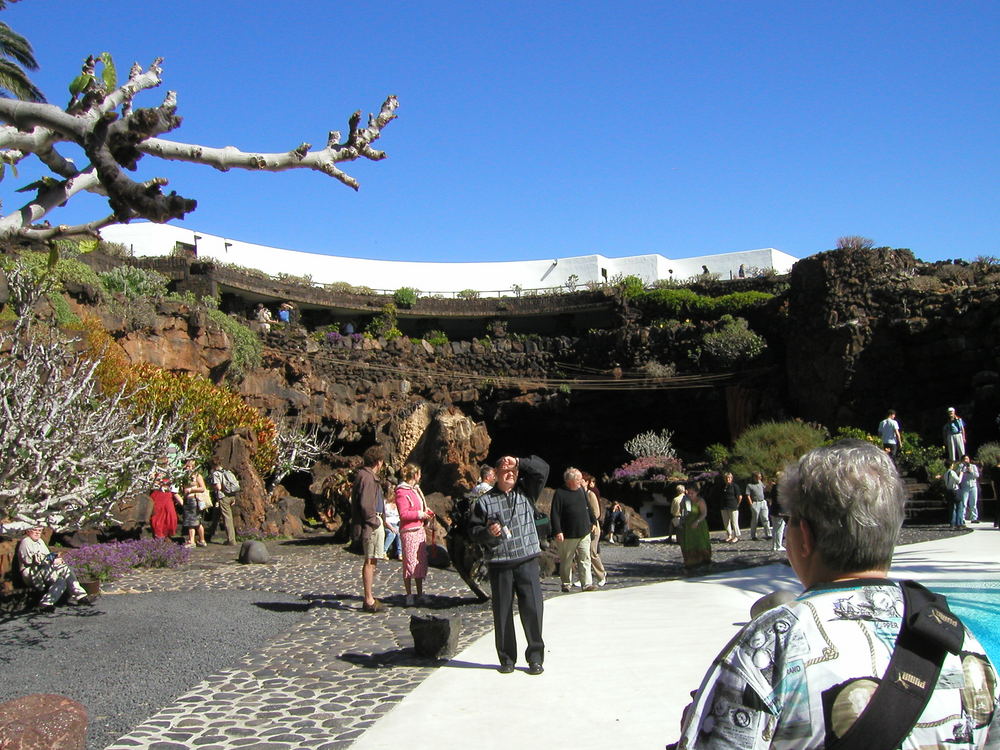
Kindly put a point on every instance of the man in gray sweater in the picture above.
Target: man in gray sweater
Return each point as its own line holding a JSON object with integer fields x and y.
{"x": 503, "y": 521}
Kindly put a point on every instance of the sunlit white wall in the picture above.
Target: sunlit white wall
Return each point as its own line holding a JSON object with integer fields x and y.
{"x": 146, "y": 239}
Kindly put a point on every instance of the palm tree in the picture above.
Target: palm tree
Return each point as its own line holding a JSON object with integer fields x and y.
{"x": 13, "y": 80}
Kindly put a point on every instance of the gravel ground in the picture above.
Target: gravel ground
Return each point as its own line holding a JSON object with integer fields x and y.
{"x": 126, "y": 657}
{"x": 160, "y": 633}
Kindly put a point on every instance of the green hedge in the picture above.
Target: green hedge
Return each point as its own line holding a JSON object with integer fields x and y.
{"x": 685, "y": 303}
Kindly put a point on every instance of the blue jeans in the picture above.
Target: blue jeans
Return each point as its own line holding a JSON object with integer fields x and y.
{"x": 390, "y": 538}
{"x": 968, "y": 500}
{"x": 957, "y": 509}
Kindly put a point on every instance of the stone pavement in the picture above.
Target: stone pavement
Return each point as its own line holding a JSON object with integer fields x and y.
{"x": 323, "y": 683}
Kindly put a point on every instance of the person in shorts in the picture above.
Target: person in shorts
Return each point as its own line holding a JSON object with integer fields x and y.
{"x": 367, "y": 521}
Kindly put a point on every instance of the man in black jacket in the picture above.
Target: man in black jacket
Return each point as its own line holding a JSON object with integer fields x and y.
{"x": 572, "y": 523}
{"x": 503, "y": 520}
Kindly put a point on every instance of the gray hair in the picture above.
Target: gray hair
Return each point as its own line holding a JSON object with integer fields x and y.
{"x": 572, "y": 474}
{"x": 852, "y": 497}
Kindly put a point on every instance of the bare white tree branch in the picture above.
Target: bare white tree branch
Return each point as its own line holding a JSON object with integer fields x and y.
{"x": 298, "y": 450}
{"x": 115, "y": 137}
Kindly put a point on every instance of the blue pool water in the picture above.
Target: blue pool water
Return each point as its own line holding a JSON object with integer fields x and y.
{"x": 978, "y": 604}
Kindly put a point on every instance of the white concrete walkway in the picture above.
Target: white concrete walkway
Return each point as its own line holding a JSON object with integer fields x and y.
{"x": 620, "y": 663}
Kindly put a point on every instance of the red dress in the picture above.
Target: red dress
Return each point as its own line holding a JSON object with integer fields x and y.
{"x": 164, "y": 518}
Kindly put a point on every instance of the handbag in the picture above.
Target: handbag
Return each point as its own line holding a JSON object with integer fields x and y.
{"x": 204, "y": 499}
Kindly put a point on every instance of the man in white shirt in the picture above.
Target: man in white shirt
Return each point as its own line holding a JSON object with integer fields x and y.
{"x": 888, "y": 432}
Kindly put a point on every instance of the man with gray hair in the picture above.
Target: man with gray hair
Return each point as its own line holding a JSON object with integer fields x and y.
{"x": 503, "y": 521}
{"x": 857, "y": 659}
{"x": 572, "y": 522}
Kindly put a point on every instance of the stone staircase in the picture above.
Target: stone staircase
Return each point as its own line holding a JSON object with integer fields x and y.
{"x": 923, "y": 507}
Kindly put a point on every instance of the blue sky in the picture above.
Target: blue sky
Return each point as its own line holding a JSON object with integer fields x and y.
{"x": 544, "y": 129}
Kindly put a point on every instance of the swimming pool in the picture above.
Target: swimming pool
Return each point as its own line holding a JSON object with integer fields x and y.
{"x": 977, "y": 602}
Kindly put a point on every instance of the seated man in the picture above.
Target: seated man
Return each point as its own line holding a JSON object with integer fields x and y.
{"x": 47, "y": 572}
{"x": 614, "y": 521}
{"x": 802, "y": 674}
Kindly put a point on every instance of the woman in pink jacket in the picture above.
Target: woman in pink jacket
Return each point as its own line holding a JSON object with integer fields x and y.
{"x": 413, "y": 512}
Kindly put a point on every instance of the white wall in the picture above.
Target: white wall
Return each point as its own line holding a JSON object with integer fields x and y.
{"x": 147, "y": 239}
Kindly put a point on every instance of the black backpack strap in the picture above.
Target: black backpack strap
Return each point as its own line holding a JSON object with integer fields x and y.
{"x": 927, "y": 633}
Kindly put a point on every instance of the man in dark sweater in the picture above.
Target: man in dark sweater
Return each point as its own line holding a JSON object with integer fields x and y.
{"x": 572, "y": 523}
{"x": 729, "y": 500}
{"x": 503, "y": 521}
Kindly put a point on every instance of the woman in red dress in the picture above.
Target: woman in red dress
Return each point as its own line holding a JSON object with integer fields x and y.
{"x": 164, "y": 497}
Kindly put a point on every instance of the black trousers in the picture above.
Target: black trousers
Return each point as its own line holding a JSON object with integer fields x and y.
{"x": 522, "y": 580}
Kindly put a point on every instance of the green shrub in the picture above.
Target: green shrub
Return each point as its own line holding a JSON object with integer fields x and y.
{"x": 988, "y": 456}
{"x": 64, "y": 315}
{"x": 468, "y": 294}
{"x": 769, "y": 446}
{"x": 134, "y": 282}
{"x": 436, "y": 338}
{"x": 291, "y": 278}
{"x": 738, "y": 302}
{"x": 679, "y": 302}
{"x": 674, "y": 303}
{"x": 405, "y": 296}
{"x": 717, "y": 456}
{"x": 342, "y": 287}
{"x": 917, "y": 459}
{"x": 628, "y": 287}
{"x": 66, "y": 269}
{"x": 384, "y": 325}
{"x": 733, "y": 344}
{"x": 247, "y": 347}
{"x": 855, "y": 433}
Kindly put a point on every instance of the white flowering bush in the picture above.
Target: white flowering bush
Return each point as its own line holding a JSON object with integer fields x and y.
{"x": 651, "y": 444}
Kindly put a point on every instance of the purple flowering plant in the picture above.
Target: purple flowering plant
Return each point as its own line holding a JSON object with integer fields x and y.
{"x": 649, "y": 467}
{"x": 106, "y": 562}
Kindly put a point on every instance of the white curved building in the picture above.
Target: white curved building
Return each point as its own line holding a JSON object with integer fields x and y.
{"x": 147, "y": 239}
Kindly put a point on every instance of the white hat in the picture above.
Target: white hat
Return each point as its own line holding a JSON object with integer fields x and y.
{"x": 951, "y": 408}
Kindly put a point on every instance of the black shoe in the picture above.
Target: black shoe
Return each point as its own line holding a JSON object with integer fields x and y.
{"x": 506, "y": 668}
{"x": 46, "y": 607}
{"x": 535, "y": 668}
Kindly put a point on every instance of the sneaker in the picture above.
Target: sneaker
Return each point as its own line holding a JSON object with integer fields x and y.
{"x": 565, "y": 588}
{"x": 535, "y": 668}
{"x": 577, "y": 584}
{"x": 603, "y": 582}
{"x": 591, "y": 587}
{"x": 202, "y": 544}
{"x": 187, "y": 545}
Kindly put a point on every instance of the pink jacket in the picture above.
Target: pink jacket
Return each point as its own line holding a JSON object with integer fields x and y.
{"x": 410, "y": 502}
